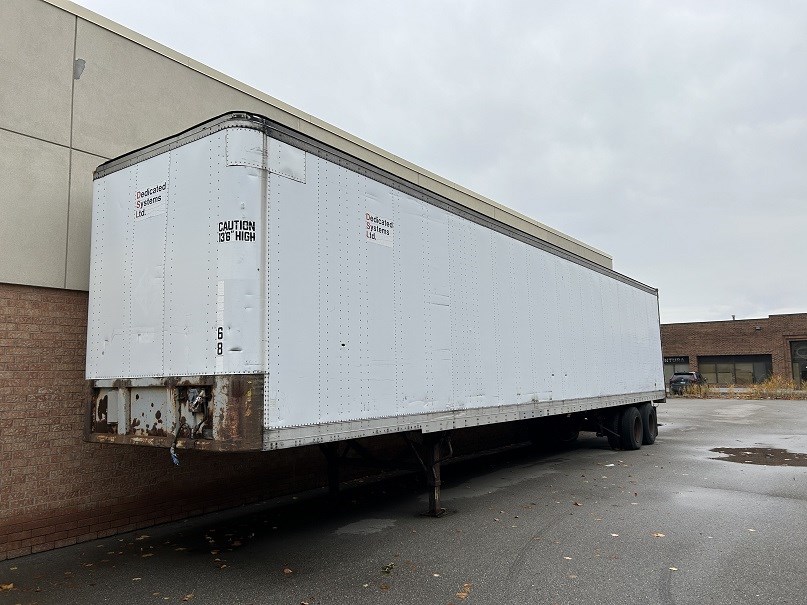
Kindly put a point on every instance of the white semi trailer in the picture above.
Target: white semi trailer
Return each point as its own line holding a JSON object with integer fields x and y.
{"x": 256, "y": 287}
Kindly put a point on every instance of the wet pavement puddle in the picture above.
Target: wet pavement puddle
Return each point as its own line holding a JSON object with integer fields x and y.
{"x": 766, "y": 456}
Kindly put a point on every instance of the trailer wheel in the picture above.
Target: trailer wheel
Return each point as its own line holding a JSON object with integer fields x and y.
{"x": 649, "y": 423}
{"x": 612, "y": 430}
{"x": 631, "y": 430}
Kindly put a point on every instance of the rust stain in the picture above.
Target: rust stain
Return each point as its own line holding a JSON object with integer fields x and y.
{"x": 100, "y": 414}
{"x": 175, "y": 381}
{"x": 236, "y": 421}
{"x": 232, "y": 416}
{"x": 103, "y": 407}
{"x": 206, "y": 445}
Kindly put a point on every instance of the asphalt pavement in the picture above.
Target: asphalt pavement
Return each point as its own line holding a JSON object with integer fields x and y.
{"x": 672, "y": 523}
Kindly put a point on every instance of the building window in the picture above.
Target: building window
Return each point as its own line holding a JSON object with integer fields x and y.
{"x": 798, "y": 357}
{"x": 735, "y": 369}
{"x": 673, "y": 365}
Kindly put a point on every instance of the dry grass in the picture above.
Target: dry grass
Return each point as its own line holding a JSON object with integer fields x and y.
{"x": 702, "y": 391}
{"x": 775, "y": 387}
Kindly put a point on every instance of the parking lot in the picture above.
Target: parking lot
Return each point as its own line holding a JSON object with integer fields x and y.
{"x": 675, "y": 522}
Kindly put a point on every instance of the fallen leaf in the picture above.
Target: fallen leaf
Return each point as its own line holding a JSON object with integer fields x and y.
{"x": 464, "y": 592}
{"x": 384, "y": 586}
{"x": 188, "y": 597}
{"x": 9, "y": 586}
{"x": 287, "y": 571}
{"x": 658, "y": 534}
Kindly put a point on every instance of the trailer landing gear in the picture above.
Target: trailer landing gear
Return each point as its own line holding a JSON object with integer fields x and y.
{"x": 430, "y": 449}
{"x": 430, "y": 452}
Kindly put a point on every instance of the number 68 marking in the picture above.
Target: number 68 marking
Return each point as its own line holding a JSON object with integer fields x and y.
{"x": 220, "y": 344}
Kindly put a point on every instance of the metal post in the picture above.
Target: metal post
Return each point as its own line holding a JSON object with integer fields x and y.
{"x": 432, "y": 448}
{"x": 331, "y": 452}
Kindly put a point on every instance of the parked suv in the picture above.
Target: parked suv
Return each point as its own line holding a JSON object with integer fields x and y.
{"x": 681, "y": 380}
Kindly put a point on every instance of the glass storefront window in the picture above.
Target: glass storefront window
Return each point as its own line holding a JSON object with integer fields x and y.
{"x": 743, "y": 373}
{"x": 735, "y": 369}
{"x": 673, "y": 365}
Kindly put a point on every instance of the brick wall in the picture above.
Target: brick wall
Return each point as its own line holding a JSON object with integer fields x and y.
{"x": 768, "y": 336}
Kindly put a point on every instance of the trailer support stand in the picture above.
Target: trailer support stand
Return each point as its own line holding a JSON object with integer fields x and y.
{"x": 331, "y": 452}
{"x": 432, "y": 447}
{"x": 435, "y": 448}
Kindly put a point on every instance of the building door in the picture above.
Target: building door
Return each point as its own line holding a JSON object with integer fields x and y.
{"x": 798, "y": 357}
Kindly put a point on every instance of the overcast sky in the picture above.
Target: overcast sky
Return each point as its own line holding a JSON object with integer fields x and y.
{"x": 671, "y": 135}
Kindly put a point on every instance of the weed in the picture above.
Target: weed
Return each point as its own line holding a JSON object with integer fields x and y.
{"x": 774, "y": 387}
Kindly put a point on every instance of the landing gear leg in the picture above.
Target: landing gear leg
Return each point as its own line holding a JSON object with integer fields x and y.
{"x": 435, "y": 448}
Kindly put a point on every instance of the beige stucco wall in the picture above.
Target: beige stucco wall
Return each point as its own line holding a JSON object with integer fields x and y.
{"x": 56, "y": 128}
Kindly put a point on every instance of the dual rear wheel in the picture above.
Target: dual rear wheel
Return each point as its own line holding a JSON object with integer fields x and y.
{"x": 631, "y": 427}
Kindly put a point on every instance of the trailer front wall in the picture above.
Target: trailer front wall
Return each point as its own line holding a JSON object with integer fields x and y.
{"x": 177, "y": 278}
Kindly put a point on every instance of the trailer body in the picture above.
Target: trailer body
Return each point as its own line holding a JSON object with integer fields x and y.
{"x": 254, "y": 288}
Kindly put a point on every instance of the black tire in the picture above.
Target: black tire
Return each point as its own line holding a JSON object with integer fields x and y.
{"x": 630, "y": 429}
{"x": 649, "y": 423}
{"x": 611, "y": 427}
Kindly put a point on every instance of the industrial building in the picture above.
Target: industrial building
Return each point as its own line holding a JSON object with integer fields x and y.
{"x": 738, "y": 352}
